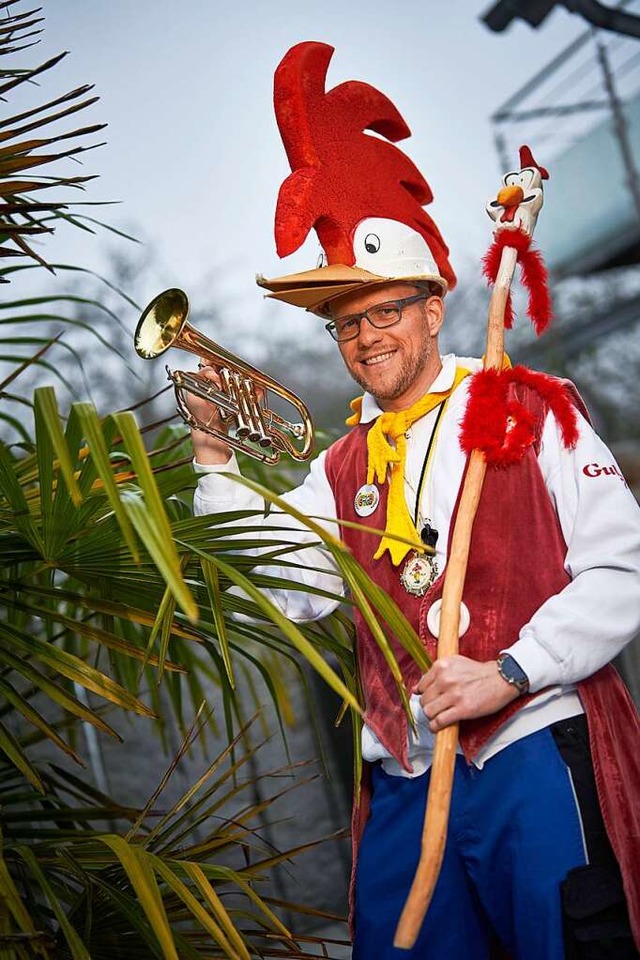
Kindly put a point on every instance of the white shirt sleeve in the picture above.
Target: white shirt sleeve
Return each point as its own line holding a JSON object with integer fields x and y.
{"x": 315, "y": 566}
{"x": 577, "y": 631}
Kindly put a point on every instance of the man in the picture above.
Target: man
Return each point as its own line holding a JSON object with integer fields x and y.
{"x": 551, "y": 597}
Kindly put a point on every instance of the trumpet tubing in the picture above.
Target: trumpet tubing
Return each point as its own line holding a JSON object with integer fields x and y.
{"x": 255, "y": 429}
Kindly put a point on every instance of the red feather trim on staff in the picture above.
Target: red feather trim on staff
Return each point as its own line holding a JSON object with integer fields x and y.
{"x": 502, "y": 427}
{"x": 498, "y": 426}
{"x": 534, "y": 277}
{"x": 557, "y": 394}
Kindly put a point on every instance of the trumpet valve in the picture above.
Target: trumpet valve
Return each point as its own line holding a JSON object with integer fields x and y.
{"x": 250, "y": 422}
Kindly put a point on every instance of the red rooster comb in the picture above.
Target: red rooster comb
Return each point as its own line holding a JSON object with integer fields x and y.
{"x": 341, "y": 175}
{"x": 527, "y": 160}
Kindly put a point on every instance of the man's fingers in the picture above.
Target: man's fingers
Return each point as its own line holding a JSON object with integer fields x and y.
{"x": 444, "y": 719}
{"x": 441, "y": 711}
{"x": 207, "y": 372}
{"x": 432, "y": 707}
{"x": 425, "y": 681}
{"x": 439, "y": 676}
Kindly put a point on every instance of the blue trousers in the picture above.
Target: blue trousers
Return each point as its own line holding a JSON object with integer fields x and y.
{"x": 514, "y": 833}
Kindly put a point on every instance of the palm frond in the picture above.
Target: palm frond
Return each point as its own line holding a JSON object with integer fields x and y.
{"x": 134, "y": 894}
{"x": 20, "y": 215}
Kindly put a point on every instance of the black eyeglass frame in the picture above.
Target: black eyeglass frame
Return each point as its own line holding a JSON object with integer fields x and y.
{"x": 330, "y": 327}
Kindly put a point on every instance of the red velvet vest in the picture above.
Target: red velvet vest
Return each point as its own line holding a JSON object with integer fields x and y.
{"x": 515, "y": 564}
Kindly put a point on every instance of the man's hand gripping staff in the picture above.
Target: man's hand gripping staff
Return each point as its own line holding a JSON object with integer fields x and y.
{"x": 515, "y": 210}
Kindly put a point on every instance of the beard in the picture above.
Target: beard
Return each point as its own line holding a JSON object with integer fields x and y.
{"x": 401, "y": 379}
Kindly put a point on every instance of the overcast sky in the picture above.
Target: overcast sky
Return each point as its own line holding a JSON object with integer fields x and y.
{"x": 193, "y": 152}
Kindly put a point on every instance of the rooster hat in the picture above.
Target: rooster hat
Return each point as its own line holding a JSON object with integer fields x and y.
{"x": 362, "y": 195}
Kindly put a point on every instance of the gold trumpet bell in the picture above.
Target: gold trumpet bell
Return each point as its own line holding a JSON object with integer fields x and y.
{"x": 242, "y": 396}
{"x": 160, "y": 323}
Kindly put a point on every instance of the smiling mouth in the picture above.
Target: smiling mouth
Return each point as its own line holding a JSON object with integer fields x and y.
{"x": 380, "y": 358}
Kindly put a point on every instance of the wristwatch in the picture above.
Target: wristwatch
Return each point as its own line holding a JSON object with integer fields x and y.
{"x": 511, "y": 671}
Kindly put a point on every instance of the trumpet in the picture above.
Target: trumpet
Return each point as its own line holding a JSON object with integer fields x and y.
{"x": 254, "y": 428}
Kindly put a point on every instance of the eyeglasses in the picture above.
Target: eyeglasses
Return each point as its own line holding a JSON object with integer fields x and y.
{"x": 379, "y": 316}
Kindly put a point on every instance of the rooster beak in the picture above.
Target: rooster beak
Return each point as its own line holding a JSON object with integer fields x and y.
{"x": 510, "y": 196}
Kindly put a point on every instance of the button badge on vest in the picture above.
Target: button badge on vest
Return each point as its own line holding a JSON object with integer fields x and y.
{"x": 434, "y": 613}
{"x": 418, "y": 573}
{"x": 366, "y": 500}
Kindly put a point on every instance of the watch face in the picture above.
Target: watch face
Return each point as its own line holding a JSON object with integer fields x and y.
{"x": 512, "y": 672}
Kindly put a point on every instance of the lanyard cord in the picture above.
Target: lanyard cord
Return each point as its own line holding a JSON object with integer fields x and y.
{"x": 427, "y": 460}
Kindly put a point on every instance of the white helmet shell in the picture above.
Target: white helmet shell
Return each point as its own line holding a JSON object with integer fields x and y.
{"x": 390, "y": 248}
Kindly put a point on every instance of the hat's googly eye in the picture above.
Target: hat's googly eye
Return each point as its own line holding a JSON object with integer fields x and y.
{"x": 372, "y": 243}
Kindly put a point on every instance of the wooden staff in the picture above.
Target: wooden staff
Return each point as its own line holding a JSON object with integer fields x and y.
{"x": 434, "y": 832}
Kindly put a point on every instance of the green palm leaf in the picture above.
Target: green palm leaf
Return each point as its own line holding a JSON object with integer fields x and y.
{"x": 76, "y": 946}
{"x": 22, "y": 216}
{"x": 138, "y": 866}
{"x": 10, "y": 747}
{"x": 100, "y": 887}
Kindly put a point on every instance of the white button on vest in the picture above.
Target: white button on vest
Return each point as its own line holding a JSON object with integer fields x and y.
{"x": 433, "y": 618}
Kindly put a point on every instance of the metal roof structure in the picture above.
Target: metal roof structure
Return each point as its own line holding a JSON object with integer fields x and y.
{"x": 581, "y": 116}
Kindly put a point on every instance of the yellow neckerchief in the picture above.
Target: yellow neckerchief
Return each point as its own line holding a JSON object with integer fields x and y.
{"x": 392, "y": 426}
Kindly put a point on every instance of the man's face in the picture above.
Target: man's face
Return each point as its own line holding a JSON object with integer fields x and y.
{"x": 397, "y": 364}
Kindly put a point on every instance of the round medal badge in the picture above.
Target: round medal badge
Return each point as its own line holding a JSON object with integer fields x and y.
{"x": 418, "y": 574}
{"x": 366, "y": 500}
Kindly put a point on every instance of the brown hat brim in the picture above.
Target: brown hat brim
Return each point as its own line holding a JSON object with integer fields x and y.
{"x": 314, "y": 289}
